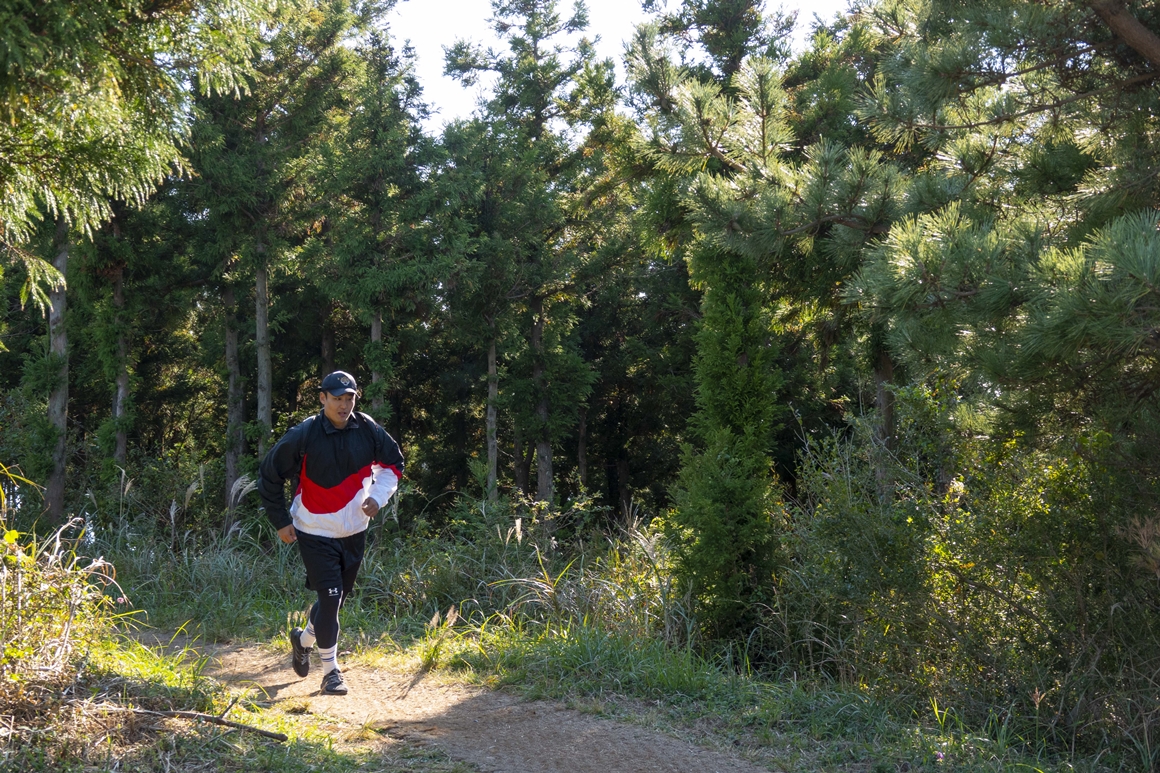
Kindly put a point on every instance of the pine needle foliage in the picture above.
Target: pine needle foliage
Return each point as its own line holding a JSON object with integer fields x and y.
{"x": 94, "y": 103}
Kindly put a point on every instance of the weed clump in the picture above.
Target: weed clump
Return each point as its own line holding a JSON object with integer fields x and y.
{"x": 53, "y": 604}
{"x": 53, "y": 608}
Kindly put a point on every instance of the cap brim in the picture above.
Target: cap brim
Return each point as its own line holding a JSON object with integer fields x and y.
{"x": 340, "y": 391}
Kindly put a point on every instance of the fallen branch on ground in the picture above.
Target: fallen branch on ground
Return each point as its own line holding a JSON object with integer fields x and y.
{"x": 196, "y": 715}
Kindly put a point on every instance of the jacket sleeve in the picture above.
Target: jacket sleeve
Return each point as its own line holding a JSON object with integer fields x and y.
{"x": 281, "y": 464}
{"x": 387, "y": 467}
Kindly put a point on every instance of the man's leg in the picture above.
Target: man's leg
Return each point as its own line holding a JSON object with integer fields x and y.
{"x": 301, "y": 645}
{"x": 323, "y": 558}
{"x": 326, "y": 626}
{"x": 352, "y": 549}
{"x": 351, "y": 563}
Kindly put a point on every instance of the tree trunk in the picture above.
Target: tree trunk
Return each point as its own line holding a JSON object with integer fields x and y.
{"x": 523, "y": 462}
{"x": 328, "y": 339}
{"x": 582, "y": 449}
{"x": 518, "y": 456}
{"x": 884, "y": 399}
{"x": 262, "y": 339}
{"x": 262, "y": 301}
{"x": 543, "y": 439}
{"x": 58, "y": 398}
{"x": 543, "y": 471}
{"x": 1121, "y": 21}
{"x": 622, "y": 482}
{"x": 121, "y": 396}
{"x": 235, "y": 404}
{"x": 376, "y": 376}
{"x": 492, "y": 398}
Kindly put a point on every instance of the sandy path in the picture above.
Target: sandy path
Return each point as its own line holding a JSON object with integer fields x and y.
{"x": 489, "y": 731}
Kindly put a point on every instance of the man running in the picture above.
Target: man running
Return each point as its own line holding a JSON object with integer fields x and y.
{"x": 347, "y": 468}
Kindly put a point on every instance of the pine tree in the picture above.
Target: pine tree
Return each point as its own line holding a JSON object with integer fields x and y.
{"x": 775, "y": 230}
{"x": 1044, "y": 172}
{"x": 93, "y": 99}
{"x": 252, "y": 149}
{"x": 481, "y": 174}
{"x": 725, "y": 499}
{"x": 374, "y": 252}
{"x": 535, "y": 87}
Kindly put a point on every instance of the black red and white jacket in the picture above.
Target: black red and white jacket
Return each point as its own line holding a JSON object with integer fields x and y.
{"x": 337, "y": 470}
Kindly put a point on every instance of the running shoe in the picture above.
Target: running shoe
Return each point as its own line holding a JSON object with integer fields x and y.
{"x": 299, "y": 655}
{"x": 333, "y": 683}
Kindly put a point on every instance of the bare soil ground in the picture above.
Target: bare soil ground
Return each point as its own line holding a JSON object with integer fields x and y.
{"x": 485, "y": 730}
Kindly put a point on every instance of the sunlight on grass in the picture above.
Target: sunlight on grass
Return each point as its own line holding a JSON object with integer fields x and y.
{"x": 123, "y": 674}
{"x": 788, "y": 725}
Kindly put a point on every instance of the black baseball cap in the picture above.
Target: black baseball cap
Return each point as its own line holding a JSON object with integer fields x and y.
{"x": 339, "y": 383}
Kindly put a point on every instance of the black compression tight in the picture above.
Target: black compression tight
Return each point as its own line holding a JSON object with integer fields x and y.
{"x": 324, "y": 618}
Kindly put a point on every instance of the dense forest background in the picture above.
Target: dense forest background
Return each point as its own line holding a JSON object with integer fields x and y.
{"x": 869, "y": 333}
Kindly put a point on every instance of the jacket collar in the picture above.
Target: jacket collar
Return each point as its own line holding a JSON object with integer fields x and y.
{"x": 330, "y": 429}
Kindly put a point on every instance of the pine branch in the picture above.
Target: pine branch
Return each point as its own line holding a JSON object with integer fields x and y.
{"x": 999, "y": 78}
{"x": 717, "y": 154}
{"x": 1038, "y": 108}
{"x": 943, "y": 295}
{"x": 850, "y": 221}
{"x": 1144, "y": 281}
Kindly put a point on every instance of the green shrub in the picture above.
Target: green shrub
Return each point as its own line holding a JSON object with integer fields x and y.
{"x": 725, "y": 532}
{"x": 1014, "y": 581}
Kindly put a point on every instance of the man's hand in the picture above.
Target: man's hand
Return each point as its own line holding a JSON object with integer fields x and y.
{"x": 287, "y": 534}
{"x": 370, "y": 507}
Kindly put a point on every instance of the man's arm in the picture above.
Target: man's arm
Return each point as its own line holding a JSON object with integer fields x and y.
{"x": 387, "y": 469}
{"x": 282, "y": 462}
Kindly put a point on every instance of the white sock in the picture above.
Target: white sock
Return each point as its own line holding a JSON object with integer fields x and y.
{"x": 329, "y": 657}
{"x": 307, "y": 636}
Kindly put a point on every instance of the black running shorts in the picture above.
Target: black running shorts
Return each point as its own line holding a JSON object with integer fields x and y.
{"x": 331, "y": 562}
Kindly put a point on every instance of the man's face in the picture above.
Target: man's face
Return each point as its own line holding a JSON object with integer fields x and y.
{"x": 337, "y": 409}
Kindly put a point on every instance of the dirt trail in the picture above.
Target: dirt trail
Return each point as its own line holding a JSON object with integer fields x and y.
{"x": 490, "y": 731}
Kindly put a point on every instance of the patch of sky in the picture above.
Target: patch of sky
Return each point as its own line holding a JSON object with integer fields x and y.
{"x": 432, "y": 27}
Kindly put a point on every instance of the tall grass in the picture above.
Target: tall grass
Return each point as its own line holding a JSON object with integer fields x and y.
{"x": 579, "y": 614}
{"x": 222, "y": 588}
{"x": 52, "y": 604}
{"x": 246, "y": 583}
{"x": 1010, "y": 583}
{"x": 72, "y": 690}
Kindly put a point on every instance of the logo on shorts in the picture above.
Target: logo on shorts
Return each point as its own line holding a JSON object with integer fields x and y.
{"x": 333, "y": 591}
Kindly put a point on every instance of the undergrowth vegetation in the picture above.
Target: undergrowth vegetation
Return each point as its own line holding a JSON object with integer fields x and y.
{"x": 1001, "y": 617}
{"x": 78, "y": 692}
{"x": 52, "y": 608}
{"x": 113, "y": 717}
{"x": 1016, "y": 589}
{"x": 903, "y": 630}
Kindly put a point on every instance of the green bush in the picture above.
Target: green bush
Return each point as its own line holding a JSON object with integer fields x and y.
{"x": 1013, "y": 581}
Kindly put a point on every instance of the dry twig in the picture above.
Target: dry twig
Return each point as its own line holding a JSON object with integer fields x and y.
{"x": 198, "y": 716}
